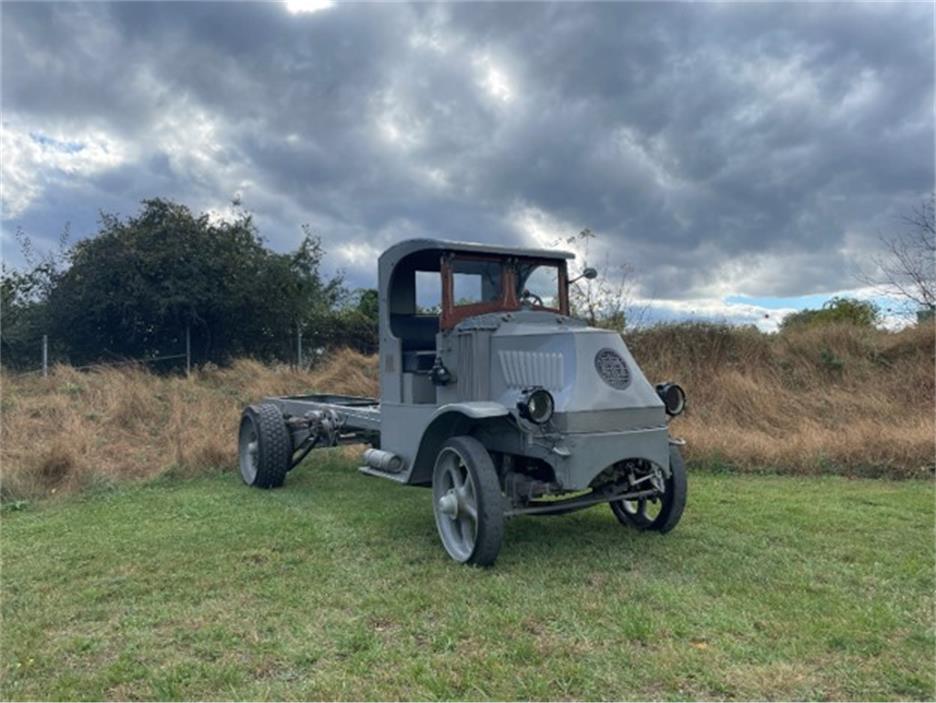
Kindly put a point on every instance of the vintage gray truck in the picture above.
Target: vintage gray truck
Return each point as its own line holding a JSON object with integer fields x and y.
{"x": 495, "y": 397}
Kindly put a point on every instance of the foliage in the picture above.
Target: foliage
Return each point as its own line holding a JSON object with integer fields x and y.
{"x": 368, "y": 303}
{"x": 356, "y": 323}
{"x": 862, "y": 313}
{"x": 114, "y": 424}
{"x": 133, "y": 289}
{"x": 24, "y": 314}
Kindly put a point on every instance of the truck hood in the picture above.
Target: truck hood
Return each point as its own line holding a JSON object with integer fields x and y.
{"x": 596, "y": 384}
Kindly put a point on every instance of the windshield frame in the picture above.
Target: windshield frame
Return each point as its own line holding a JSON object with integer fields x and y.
{"x": 508, "y": 300}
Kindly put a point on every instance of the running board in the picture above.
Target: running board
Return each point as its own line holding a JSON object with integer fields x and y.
{"x": 370, "y": 471}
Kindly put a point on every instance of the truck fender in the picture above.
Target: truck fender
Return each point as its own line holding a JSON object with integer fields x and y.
{"x": 448, "y": 421}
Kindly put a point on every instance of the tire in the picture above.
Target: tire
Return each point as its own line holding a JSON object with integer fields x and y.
{"x": 467, "y": 502}
{"x": 264, "y": 446}
{"x": 673, "y": 501}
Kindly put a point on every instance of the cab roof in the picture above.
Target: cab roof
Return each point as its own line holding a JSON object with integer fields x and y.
{"x": 412, "y": 246}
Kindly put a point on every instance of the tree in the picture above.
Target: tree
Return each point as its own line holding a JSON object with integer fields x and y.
{"x": 862, "y": 313}
{"x": 368, "y": 303}
{"x": 133, "y": 289}
{"x": 307, "y": 302}
{"x": 907, "y": 266}
{"x": 24, "y": 312}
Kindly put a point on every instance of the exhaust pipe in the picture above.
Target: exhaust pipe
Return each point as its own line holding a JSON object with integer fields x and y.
{"x": 383, "y": 461}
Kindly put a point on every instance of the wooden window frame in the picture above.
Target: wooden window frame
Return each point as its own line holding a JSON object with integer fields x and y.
{"x": 452, "y": 314}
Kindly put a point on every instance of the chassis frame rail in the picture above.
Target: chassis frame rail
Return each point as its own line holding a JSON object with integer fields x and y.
{"x": 561, "y": 507}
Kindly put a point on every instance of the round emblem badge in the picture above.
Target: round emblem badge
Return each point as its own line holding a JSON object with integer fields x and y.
{"x": 612, "y": 368}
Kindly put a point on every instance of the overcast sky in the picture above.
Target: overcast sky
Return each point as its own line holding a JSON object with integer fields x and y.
{"x": 737, "y": 156}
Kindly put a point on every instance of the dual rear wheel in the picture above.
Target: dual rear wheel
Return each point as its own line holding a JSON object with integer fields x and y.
{"x": 264, "y": 446}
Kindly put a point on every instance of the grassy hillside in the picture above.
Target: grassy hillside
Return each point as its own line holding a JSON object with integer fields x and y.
{"x": 825, "y": 399}
{"x": 821, "y": 400}
{"x": 337, "y": 588}
{"x": 77, "y": 429}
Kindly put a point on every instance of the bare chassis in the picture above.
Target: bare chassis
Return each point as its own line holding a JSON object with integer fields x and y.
{"x": 326, "y": 420}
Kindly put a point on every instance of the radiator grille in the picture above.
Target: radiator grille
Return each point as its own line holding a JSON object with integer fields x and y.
{"x": 473, "y": 372}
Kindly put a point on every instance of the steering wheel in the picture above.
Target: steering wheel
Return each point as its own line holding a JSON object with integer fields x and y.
{"x": 533, "y": 298}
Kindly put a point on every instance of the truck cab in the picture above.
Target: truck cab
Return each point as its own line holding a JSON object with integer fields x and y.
{"x": 428, "y": 288}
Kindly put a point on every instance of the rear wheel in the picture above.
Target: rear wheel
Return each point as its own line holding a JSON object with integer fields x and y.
{"x": 660, "y": 512}
{"x": 264, "y": 446}
{"x": 467, "y": 502}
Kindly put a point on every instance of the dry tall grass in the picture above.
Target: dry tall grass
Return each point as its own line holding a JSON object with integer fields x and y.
{"x": 77, "y": 429}
{"x": 833, "y": 399}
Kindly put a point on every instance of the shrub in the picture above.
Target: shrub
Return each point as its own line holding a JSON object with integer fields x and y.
{"x": 861, "y": 313}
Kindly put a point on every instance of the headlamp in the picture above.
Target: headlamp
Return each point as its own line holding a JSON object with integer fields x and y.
{"x": 536, "y": 405}
{"x": 673, "y": 397}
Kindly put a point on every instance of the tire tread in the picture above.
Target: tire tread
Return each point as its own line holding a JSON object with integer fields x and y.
{"x": 275, "y": 445}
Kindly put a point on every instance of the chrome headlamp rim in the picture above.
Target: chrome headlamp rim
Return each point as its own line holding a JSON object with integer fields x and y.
{"x": 536, "y": 405}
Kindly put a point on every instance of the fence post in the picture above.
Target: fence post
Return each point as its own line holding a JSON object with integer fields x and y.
{"x": 45, "y": 355}
{"x": 188, "y": 350}
{"x": 298, "y": 346}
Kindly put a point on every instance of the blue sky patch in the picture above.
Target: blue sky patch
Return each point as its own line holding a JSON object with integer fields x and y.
{"x": 56, "y": 144}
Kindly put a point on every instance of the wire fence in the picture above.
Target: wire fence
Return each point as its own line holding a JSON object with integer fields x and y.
{"x": 303, "y": 355}
{"x": 43, "y": 369}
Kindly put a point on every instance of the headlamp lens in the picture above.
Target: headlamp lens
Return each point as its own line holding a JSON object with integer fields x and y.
{"x": 673, "y": 397}
{"x": 537, "y": 406}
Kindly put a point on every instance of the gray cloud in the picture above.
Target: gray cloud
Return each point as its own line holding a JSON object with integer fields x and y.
{"x": 721, "y": 148}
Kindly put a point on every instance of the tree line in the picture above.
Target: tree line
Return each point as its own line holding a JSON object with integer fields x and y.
{"x": 136, "y": 287}
{"x": 142, "y": 284}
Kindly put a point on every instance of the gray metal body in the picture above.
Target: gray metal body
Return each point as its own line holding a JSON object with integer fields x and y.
{"x": 493, "y": 358}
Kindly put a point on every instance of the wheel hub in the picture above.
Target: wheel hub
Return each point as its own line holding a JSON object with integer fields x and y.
{"x": 448, "y": 504}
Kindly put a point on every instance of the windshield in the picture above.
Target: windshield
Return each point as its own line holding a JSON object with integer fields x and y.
{"x": 476, "y": 281}
{"x": 477, "y": 284}
{"x": 538, "y": 285}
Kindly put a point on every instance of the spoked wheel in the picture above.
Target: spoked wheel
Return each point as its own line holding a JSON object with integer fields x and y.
{"x": 660, "y": 512}
{"x": 467, "y": 502}
{"x": 264, "y": 446}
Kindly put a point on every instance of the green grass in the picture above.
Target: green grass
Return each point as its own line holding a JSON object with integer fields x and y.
{"x": 337, "y": 587}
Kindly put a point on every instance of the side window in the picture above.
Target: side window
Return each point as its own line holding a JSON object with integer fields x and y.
{"x": 428, "y": 293}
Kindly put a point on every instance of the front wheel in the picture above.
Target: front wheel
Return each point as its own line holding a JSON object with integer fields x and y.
{"x": 467, "y": 502}
{"x": 659, "y": 512}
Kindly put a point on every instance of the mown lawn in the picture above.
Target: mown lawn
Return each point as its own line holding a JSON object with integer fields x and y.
{"x": 337, "y": 587}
